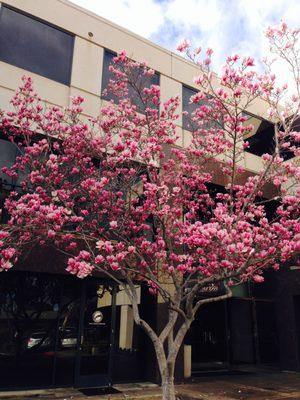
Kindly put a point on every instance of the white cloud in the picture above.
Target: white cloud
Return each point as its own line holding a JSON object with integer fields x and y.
{"x": 202, "y": 14}
{"x": 140, "y": 16}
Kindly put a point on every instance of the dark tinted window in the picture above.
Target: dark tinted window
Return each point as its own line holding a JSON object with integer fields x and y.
{"x": 190, "y": 108}
{"x": 36, "y": 46}
{"x": 187, "y": 122}
{"x": 141, "y": 81}
{"x": 8, "y": 154}
{"x": 263, "y": 140}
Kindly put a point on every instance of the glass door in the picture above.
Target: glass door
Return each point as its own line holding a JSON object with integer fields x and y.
{"x": 208, "y": 337}
{"x": 96, "y": 334}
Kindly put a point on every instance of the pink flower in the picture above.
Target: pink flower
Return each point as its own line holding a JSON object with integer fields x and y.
{"x": 199, "y": 79}
{"x": 115, "y": 266}
{"x": 80, "y": 268}
{"x": 99, "y": 259}
{"x": 51, "y": 233}
{"x": 5, "y": 265}
{"x": 100, "y": 244}
{"x": 183, "y": 45}
{"x": 258, "y": 278}
{"x": 113, "y": 224}
{"x": 248, "y": 61}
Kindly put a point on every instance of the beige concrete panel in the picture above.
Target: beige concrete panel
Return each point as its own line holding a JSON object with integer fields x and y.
{"x": 168, "y": 287}
{"x": 91, "y": 104}
{"x": 171, "y": 88}
{"x": 122, "y": 298}
{"x": 259, "y": 107}
{"x": 184, "y": 71}
{"x": 187, "y": 361}
{"x": 136, "y": 49}
{"x": 87, "y": 66}
{"x": 104, "y": 33}
{"x": 187, "y": 137}
{"x": 53, "y": 92}
{"x": 5, "y": 97}
{"x": 126, "y": 327}
{"x": 256, "y": 122}
{"x": 179, "y": 141}
{"x": 253, "y": 163}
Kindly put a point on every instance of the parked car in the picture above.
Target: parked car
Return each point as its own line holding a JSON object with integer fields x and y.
{"x": 42, "y": 340}
{"x": 68, "y": 337}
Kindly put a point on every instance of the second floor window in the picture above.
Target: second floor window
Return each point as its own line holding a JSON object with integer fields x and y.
{"x": 38, "y": 47}
{"x": 187, "y": 122}
{"x": 8, "y": 154}
{"x": 142, "y": 82}
{"x": 261, "y": 140}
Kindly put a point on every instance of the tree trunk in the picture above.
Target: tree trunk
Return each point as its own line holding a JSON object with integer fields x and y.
{"x": 167, "y": 385}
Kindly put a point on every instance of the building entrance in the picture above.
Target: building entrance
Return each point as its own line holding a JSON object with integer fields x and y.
{"x": 235, "y": 332}
{"x": 208, "y": 337}
{"x": 96, "y": 335}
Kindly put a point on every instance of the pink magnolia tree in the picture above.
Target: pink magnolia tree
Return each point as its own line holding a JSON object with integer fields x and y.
{"x": 116, "y": 194}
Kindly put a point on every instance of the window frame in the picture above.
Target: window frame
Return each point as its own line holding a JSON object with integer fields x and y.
{"x": 184, "y": 122}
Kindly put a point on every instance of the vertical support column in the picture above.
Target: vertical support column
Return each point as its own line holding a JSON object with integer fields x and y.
{"x": 112, "y": 334}
{"x": 87, "y": 74}
{"x": 171, "y": 88}
{"x": 187, "y": 361}
{"x": 126, "y": 327}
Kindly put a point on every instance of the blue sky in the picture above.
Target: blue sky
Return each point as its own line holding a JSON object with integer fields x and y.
{"x": 228, "y": 26}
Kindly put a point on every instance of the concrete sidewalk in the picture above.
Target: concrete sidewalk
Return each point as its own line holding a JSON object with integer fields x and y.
{"x": 252, "y": 386}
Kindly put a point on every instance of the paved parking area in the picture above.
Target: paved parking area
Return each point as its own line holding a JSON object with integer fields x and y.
{"x": 252, "y": 386}
{"x": 262, "y": 386}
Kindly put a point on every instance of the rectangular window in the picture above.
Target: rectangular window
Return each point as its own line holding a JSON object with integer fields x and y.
{"x": 190, "y": 108}
{"x": 187, "y": 122}
{"x": 142, "y": 82}
{"x": 36, "y": 46}
{"x": 8, "y": 154}
{"x": 261, "y": 140}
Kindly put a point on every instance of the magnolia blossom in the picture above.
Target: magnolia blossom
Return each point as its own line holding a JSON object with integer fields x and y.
{"x": 183, "y": 45}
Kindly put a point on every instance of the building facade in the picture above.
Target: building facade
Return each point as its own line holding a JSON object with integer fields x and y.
{"x": 56, "y": 330}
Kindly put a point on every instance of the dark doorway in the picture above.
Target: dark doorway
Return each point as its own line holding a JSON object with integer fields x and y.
{"x": 297, "y": 322}
{"x": 241, "y": 331}
{"x": 96, "y": 335}
{"x": 268, "y": 348}
{"x": 208, "y": 338}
